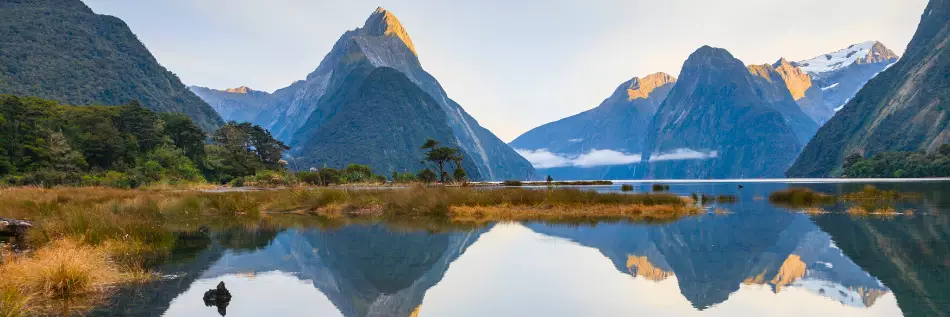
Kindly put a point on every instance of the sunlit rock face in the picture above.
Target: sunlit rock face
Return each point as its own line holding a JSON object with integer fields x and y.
{"x": 902, "y": 109}
{"x": 718, "y": 106}
{"x": 296, "y": 113}
{"x": 363, "y": 270}
{"x": 772, "y": 86}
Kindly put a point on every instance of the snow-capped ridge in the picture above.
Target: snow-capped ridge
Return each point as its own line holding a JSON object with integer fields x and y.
{"x": 861, "y": 53}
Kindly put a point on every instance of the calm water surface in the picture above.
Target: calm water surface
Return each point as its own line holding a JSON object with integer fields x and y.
{"x": 761, "y": 260}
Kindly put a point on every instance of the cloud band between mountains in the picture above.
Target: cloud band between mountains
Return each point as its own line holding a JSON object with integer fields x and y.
{"x": 542, "y": 158}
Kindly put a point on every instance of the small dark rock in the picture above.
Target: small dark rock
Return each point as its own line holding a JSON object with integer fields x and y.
{"x": 219, "y": 297}
{"x": 13, "y": 227}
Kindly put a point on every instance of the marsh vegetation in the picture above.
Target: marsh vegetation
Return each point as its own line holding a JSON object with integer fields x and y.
{"x": 87, "y": 240}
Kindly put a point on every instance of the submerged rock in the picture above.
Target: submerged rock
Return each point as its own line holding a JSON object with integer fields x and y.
{"x": 219, "y": 297}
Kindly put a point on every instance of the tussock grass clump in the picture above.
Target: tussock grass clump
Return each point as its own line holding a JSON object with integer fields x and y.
{"x": 626, "y": 187}
{"x": 512, "y": 183}
{"x": 872, "y": 193}
{"x": 13, "y": 303}
{"x": 63, "y": 269}
{"x": 661, "y": 187}
{"x": 800, "y": 197}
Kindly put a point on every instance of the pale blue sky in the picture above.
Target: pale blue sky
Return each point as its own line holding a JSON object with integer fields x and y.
{"x": 513, "y": 65}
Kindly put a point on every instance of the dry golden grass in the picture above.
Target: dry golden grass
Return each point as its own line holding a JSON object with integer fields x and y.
{"x": 567, "y": 213}
{"x": 722, "y": 211}
{"x": 814, "y": 211}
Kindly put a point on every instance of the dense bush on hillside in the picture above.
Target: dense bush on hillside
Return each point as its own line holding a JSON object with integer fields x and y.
{"x": 45, "y": 143}
{"x": 61, "y": 50}
{"x": 900, "y": 164}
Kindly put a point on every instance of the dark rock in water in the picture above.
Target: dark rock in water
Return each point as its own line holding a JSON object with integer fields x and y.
{"x": 13, "y": 227}
{"x": 219, "y": 297}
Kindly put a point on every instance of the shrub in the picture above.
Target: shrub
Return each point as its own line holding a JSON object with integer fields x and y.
{"x": 512, "y": 183}
{"x": 427, "y": 176}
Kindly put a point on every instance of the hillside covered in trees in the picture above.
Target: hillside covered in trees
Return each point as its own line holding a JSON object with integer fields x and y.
{"x": 44, "y": 143}
{"x": 61, "y": 50}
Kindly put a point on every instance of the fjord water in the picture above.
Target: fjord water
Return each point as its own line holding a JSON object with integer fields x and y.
{"x": 760, "y": 260}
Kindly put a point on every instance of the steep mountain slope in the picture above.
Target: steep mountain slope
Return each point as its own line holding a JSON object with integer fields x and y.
{"x": 619, "y": 123}
{"x": 62, "y": 50}
{"x": 771, "y": 85}
{"x": 717, "y": 106}
{"x": 834, "y": 78}
{"x": 306, "y": 105}
{"x": 239, "y": 104}
{"x": 380, "y": 122}
{"x": 904, "y": 108}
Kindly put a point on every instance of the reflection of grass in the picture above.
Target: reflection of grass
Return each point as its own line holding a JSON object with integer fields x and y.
{"x": 706, "y": 199}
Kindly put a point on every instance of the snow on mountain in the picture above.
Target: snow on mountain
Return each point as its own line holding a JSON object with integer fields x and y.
{"x": 837, "y": 60}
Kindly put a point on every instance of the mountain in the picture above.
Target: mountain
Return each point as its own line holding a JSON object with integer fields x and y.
{"x": 61, "y": 50}
{"x": 297, "y": 113}
{"x": 822, "y": 85}
{"x": 619, "y": 123}
{"x": 239, "y": 104}
{"x": 770, "y": 84}
{"x": 901, "y": 109}
{"x": 718, "y": 106}
{"x": 379, "y": 122}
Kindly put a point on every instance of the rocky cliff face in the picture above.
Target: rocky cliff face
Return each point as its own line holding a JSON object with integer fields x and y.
{"x": 61, "y": 50}
{"x": 901, "y": 109}
{"x": 718, "y": 106}
{"x": 619, "y": 123}
{"x": 306, "y": 105}
{"x": 239, "y": 104}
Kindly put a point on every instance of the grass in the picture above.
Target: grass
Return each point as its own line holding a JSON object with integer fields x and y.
{"x": 626, "y": 187}
{"x": 799, "y": 197}
{"x": 661, "y": 187}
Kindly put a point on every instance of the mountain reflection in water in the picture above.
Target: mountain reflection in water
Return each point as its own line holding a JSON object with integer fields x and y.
{"x": 760, "y": 260}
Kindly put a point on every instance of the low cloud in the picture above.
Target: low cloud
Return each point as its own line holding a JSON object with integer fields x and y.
{"x": 684, "y": 154}
{"x": 542, "y": 158}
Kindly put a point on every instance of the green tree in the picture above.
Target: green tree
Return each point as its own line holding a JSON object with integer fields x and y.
{"x": 440, "y": 155}
{"x": 186, "y": 135}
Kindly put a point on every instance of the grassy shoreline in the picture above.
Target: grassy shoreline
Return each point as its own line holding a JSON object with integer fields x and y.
{"x": 88, "y": 240}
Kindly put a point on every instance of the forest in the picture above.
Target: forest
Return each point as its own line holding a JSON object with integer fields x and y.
{"x": 44, "y": 143}
{"x": 899, "y": 164}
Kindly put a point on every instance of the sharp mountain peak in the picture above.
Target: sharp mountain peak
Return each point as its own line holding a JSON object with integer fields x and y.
{"x": 384, "y": 23}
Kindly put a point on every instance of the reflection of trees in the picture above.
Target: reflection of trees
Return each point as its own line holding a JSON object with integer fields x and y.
{"x": 910, "y": 255}
{"x": 246, "y": 240}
